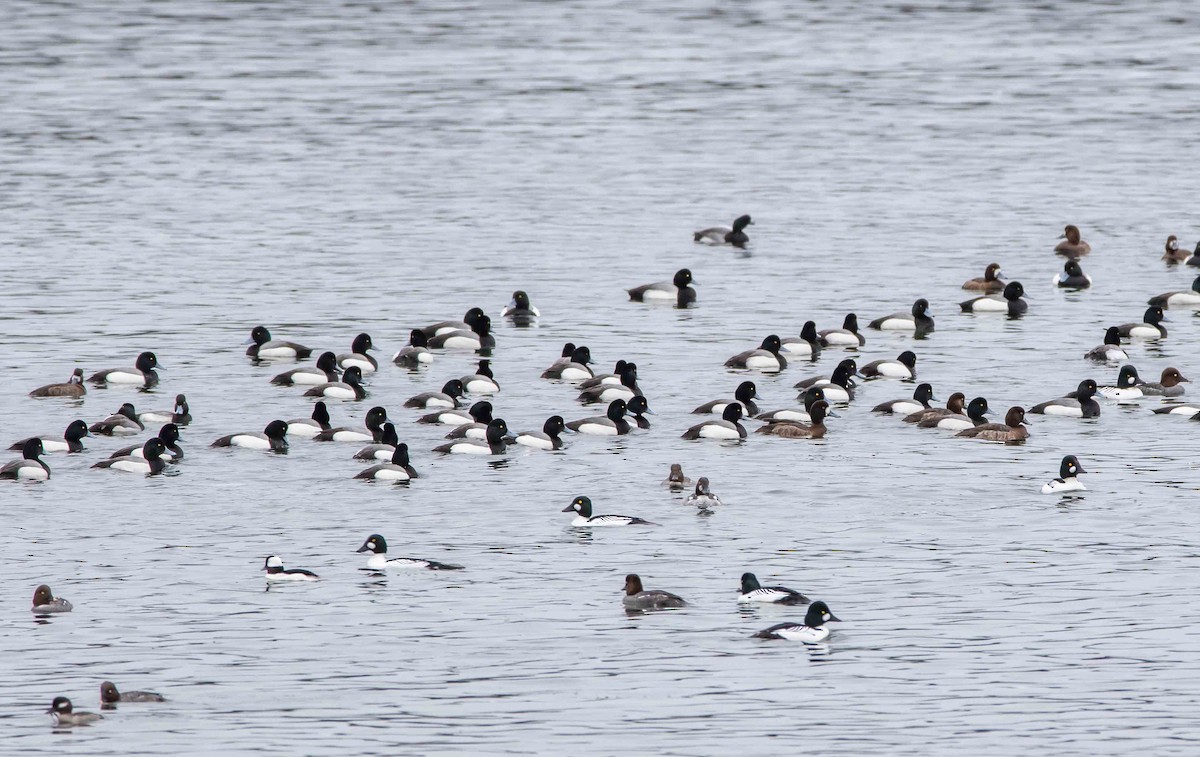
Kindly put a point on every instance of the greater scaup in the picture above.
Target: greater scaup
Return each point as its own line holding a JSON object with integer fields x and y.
{"x": 149, "y": 463}
{"x": 398, "y": 468}
{"x": 452, "y": 390}
{"x": 677, "y": 290}
{"x": 612, "y": 423}
{"x": 357, "y": 356}
{"x": 349, "y": 388}
{"x": 637, "y": 407}
{"x": 808, "y": 397}
{"x": 70, "y": 441}
{"x": 482, "y": 381}
{"x": 121, "y": 423}
{"x": 73, "y": 388}
{"x": 839, "y": 387}
{"x": 846, "y": 336}
{"x": 383, "y": 449}
{"x": 1110, "y": 351}
{"x": 263, "y": 346}
{"x": 1150, "y": 328}
{"x": 976, "y": 415}
{"x": 478, "y": 413}
{"x": 745, "y": 393}
{"x": 720, "y": 235}
{"x": 917, "y": 320}
{"x": 370, "y": 431}
{"x": 520, "y": 310}
{"x": 626, "y": 390}
{"x": 273, "y": 437}
{"x": 310, "y": 427}
{"x": 495, "y": 442}
{"x": 142, "y": 373}
{"x": 549, "y": 438}
{"x": 168, "y": 435}
{"x": 476, "y": 428}
{"x": 808, "y": 343}
{"x": 920, "y": 401}
{"x": 572, "y": 366}
{"x": 444, "y": 327}
{"x": 1010, "y": 302}
{"x": 1082, "y": 405}
{"x": 478, "y": 338}
{"x": 605, "y": 378}
{"x": 728, "y": 427}
{"x": 416, "y": 353}
{"x": 30, "y": 467}
{"x": 1184, "y": 299}
{"x": 325, "y": 371}
{"x": 903, "y": 367}
{"x": 766, "y": 358}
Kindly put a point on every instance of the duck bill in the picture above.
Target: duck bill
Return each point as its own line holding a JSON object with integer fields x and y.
{"x": 569, "y": 509}
{"x": 833, "y": 619}
{"x": 363, "y": 548}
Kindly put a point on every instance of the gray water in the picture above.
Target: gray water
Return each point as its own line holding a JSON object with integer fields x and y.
{"x": 172, "y": 174}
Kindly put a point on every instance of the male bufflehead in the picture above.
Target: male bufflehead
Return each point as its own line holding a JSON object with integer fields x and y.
{"x": 276, "y": 573}
{"x": 64, "y": 714}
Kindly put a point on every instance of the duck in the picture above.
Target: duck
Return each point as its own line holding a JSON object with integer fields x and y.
{"x": 371, "y": 431}
{"x": 745, "y": 393}
{"x": 839, "y": 387}
{"x": 846, "y": 336}
{"x": 276, "y": 573}
{"x": 1188, "y": 299}
{"x": 606, "y": 378}
{"x": 637, "y": 407}
{"x": 811, "y": 631}
{"x": 383, "y": 449}
{"x": 1194, "y": 260}
{"x": 1173, "y": 252}
{"x": 142, "y": 373}
{"x": 72, "y": 388}
{"x": 121, "y": 423}
{"x": 626, "y": 390}
{"x": 324, "y": 372}
{"x": 478, "y": 413}
{"x": 1169, "y": 385}
{"x": 171, "y": 451}
{"x": 798, "y": 430}
{"x": 637, "y": 598}
{"x": 1073, "y": 246}
{"x": 728, "y": 427}
{"x": 263, "y": 346}
{"x": 478, "y": 337}
{"x": 70, "y": 441}
{"x": 1110, "y": 351}
{"x": 989, "y": 283}
{"x": 1012, "y": 431}
{"x": 678, "y": 289}
{"x": 496, "y": 442}
{"x": 1072, "y": 277}
{"x": 975, "y": 416}
{"x": 921, "y": 398}
{"x": 180, "y": 414}
{"x": 1082, "y": 405}
{"x": 481, "y": 414}
{"x": 273, "y": 437}
{"x": 766, "y": 358}
{"x": 398, "y": 468}
{"x": 549, "y": 438}
{"x": 1150, "y": 328}
{"x": 1010, "y": 302}
{"x": 444, "y": 327}
{"x": 903, "y": 367}
{"x": 721, "y": 235}
{"x": 416, "y": 353}
{"x": 452, "y": 390}
{"x": 954, "y": 406}
{"x": 917, "y": 320}
{"x": 753, "y": 591}
{"x": 572, "y": 366}
{"x": 612, "y": 423}
{"x": 1066, "y": 481}
{"x": 110, "y": 696}
{"x": 808, "y": 397}
{"x": 379, "y": 561}
{"x": 520, "y": 310}
{"x": 676, "y": 481}
{"x": 349, "y": 388}
{"x": 582, "y": 507}
{"x": 481, "y": 381}
{"x": 310, "y": 427}
{"x": 357, "y": 357}
{"x": 1129, "y": 385}
{"x": 45, "y": 603}
{"x": 809, "y": 344}
{"x": 702, "y": 497}
{"x": 1188, "y": 411}
{"x": 64, "y": 713}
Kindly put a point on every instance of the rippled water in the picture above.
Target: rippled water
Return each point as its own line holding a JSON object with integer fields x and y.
{"x": 173, "y": 174}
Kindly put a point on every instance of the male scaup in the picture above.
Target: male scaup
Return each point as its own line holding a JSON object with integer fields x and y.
{"x": 416, "y": 353}
{"x": 1012, "y": 431}
{"x": 612, "y": 423}
{"x": 121, "y": 423}
{"x": 180, "y": 415}
{"x": 637, "y": 407}
{"x": 520, "y": 310}
{"x": 481, "y": 414}
{"x": 276, "y": 573}
{"x": 917, "y": 320}
{"x": 109, "y": 696}
{"x": 766, "y": 358}
{"x": 1150, "y": 328}
{"x": 976, "y": 415}
{"x": 1173, "y": 252}
{"x": 1066, "y": 481}
{"x": 846, "y": 336}
{"x": 64, "y": 713}
{"x": 73, "y": 388}
{"x": 626, "y": 390}
{"x": 1194, "y": 260}
{"x": 582, "y": 507}
{"x": 70, "y": 441}
{"x": 702, "y": 497}
{"x": 637, "y": 598}
{"x": 808, "y": 343}
{"x": 1010, "y": 302}
{"x": 379, "y": 561}
{"x": 310, "y": 427}
{"x": 1129, "y": 385}
{"x": 753, "y": 591}
{"x": 168, "y": 435}
{"x": 452, "y": 390}
{"x": 920, "y": 401}
{"x": 495, "y": 442}
{"x": 797, "y": 429}
{"x": 675, "y": 480}
{"x": 745, "y": 393}
{"x": 263, "y": 346}
{"x": 572, "y": 366}
{"x": 370, "y": 431}
{"x": 1072, "y": 277}
{"x": 721, "y": 235}
{"x": 839, "y": 387}
{"x": 398, "y": 468}
{"x": 954, "y": 406}
{"x": 325, "y": 372}
{"x": 605, "y": 378}
{"x": 273, "y": 437}
{"x": 1186, "y": 299}
{"x": 444, "y": 327}
{"x": 481, "y": 381}
{"x": 808, "y": 397}
{"x": 1073, "y": 245}
{"x": 1082, "y": 405}
{"x": 382, "y": 450}
{"x": 728, "y": 427}
{"x": 349, "y": 388}
{"x": 989, "y": 283}
{"x": 549, "y": 438}
{"x": 903, "y": 367}
{"x": 1170, "y": 385}
{"x": 357, "y": 356}
{"x": 149, "y": 463}
{"x": 45, "y": 603}
{"x": 478, "y": 337}
{"x": 677, "y": 290}
{"x": 1110, "y": 351}
{"x": 478, "y": 413}
{"x": 142, "y": 373}
{"x": 811, "y": 631}
{"x": 1187, "y": 411}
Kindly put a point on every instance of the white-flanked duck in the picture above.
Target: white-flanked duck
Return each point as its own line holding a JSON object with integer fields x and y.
{"x": 582, "y": 507}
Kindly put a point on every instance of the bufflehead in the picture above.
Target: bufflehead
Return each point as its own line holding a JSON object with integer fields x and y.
{"x": 110, "y": 696}
{"x": 917, "y": 320}
{"x": 1173, "y": 253}
{"x": 149, "y": 463}
{"x": 990, "y": 282}
{"x": 273, "y": 437}
{"x": 753, "y": 591}
{"x": 142, "y": 373}
{"x": 728, "y": 427}
{"x": 903, "y": 367}
{"x": 29, "y": 467}
{"x": 496, "y": 441}
{"x": 798, "y": 430}
{"x": 45, "y": 603}
{"x": 702, "y": 497}
{"x": 1171, "y": 385}
{"x": 839, "y": 387}
{"x": 573, "y": 366}
{"x": 445, "y": 327}
{"x": 1072, "y": 277}
{"x": 482, "y": 381}
{"x": 379, "y": 561}
{"x": 808, "y": 343}
{"x": 1010, "y": 302}
{"x": 637, "y": 598}
{"x": 310, "y": 427}
{"x": 64, "y": 713}
{"x": 481, "y": 415}
{"x": 1188, "y": 299}
{"x": 121, "y": 423}
{"x": 721, "y": 235}
{"x": 520, "y": 310}
{"x": 626, "y": 390}
{"x": 582, "y": 507}
{"x": 276, "y": 573}
{"x": 479, "y": 337}
{"x": 637, "y": 407}
{"x": 370, "y": 431}
{"x": 480, "y": 412}
{"x": 416, "y": 353}
{"x": 745, "y": 394}
{"x": 180, "y": 415}
{"x": 384, "y": 449}
{"x": 1066, "y": 481}
{"x": 920, "y": 401}
{"x": 1082, "y": 405}
{"x": 398, "y": 468}
{"x": 811, "y": 631}
{"x": 954, "y": 406}
{"x": 548, "y": 438}
{"x": 1150, "y": 328}
{"x": 357, "y": 357}
{"x": 606, "y": 378}
{"x": 73, "y": 388}
{"x": 675, "y": 480}
{"x": 766, "y": 358}
{"x": 846, "y": 336}
{"x": 263, "y": 346}
{"x": 1012, "y": 431}
{"x": 325, "y": 372}
{"x": 1129, "y": 385}
{"x": 612, "y": 423}
{"x": 349, "y": 388}
{"x": 1073, "y": 246}
{"x": 677, "y": 290}
{"x": 452, "y": 390}
{"x": 975, "y": 416}
{"x": 168, "y": 435}
{"x": 1110, "y": 351}
{"x": 70, "y": 441}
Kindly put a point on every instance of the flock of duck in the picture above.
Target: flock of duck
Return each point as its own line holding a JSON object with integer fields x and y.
{"x": 476, "y": 430}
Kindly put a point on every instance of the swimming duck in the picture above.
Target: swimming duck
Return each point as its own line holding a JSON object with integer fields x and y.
{"x": 1082, "y": 405}
{"x": 1188, "y": 299}
{"x": 975, "y": 416}
{"x": 637, "y": 598}
{"x": 70, "y": 441}
{"x": 1010, "y": 302}
{"x": 1194, "y": 260}
{"x": 1150, "y": 328}
{"x": 702, "y": 497}
{"x": 471, "y": 317}
{"x": 481, "y": 381}
{"x": 73, "y": 388}
{"x": 142, "y": 373}
{"x": 45, "y": 603}
{"x": 1072, "y": 277}
{"x": 637, "y": 407}
{"x": 1012, "y": 431}
{"x": 479, "y": 414}
{"x": 606, "y": 378}
{"x": 903, "y": 367}
{"x": 398, "y": 468}
{"x": 572, "y": 366}
{"x": 109, "y": 696}
{"x": 495, "y": 442}
{"x": 273, "y": 437}
{"x": 1188, "y": 411}
{"x": 325, "y": 372}
{"x": 745, "y": 394}
{"x": 839, "y": 387}
{"x": 1074, "y": 246}
{"x": 990, "y": 282}
{"x": 626, "y": 390}
{"x": 276, "y": 573}
{"x": 766, "y": 358}
{"x": 310, "y": 427}
{"x": 349, "y": 388}
{"x": 478, "y": 338}
{"x": 678, "y": 289}
{"x": 1173, "y": 253}
{"x": 954, "y": 406}
{"x": 371, "y": 431}
{"x": 263, "y": 346}
{"x": 846, "y": 336}
{"x": 808, "y": 343}
{"x": 121, "y": 423}
{"x": 753, "y": 591}
{"x": 1066, "y": 481}
{"x": 180, "y": 414}
{"x": 1110, "y": 351}
{"x": 917, "y": 320}
{"x": 726, "y": 428}
{"x": 549, "y": 438}
{"x": 612, "y": 423}
{"x": 798, "y": 430}
{"x": 920, "y": 401}
{"x": 808, "y": 397}
{"x": 719, "y": 235}
{"x": 582, "y": 507}
{"x": 811, "y": 631}
{"x": 379, "y": 561}
{"x": 64, "y": 713}
{"x": 452, "y": 390}
{"x": 357, "y": 357}
{"x": 382, "y": 450}
{"x": 1129, "y": 385}
{"x": 416, "y": 353}
{"x": 520, "y": 310}
{"x": 171, "y": 451}
{"x": 676, "y": 481}
{"x": 1168, "y": 386}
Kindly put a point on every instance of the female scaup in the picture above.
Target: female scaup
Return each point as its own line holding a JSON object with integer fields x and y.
{"x": 481, "y": 381}
{"x": 276, "y": 573}
{"x": 64, "y": 713}
{"x": 168, "y": 435}
{"x": 478, "y": 338}
{"x": 582, "y": 507}
{"x": 808, "y": 397}
{"x": 452, "y": 390}
{"x": 1129, "y": 385}
{"x": 357, "y": 356}
{"x": 310, "y": 427}
{"x": 1173, "y": 252}
{"x": 703, "y": 497}
{"x": 121, "y": 423}
{"x": 954, "y": 406}
{"x": 1012, "y": 431}
{"x": 626, "y": 390}
{"x": 721, "y": 235}
{"x": 903, "y": 367}
{"x": 180, "y": 415}
{"x": 606, "y": 378}
{"x": 1150, "y": 328}
{"x": 1010, "y": 303}
{"x": 263, "y": 346}
{"x": 637, "y": 598}
{"x": 349, "y": 388}
{"x": 572, "y": 366}
{"x": 1168, "y": 386}
{"x": 612, "y": 423}
{"x": 637, "y": 407}
{"x": 846, "y": 336}
{"x": 370, "y": 431}
{"x": 326, "y": 371}
{"x": 520, "y": 310}
{"x": 481, "y": 415}
{"x": 30, "y": 467}
{"x": 383, "y": 449}
{"x": 549, "y": 438}
{"x": 753, "y": 591}
{"x": 811, "y": 631}
{"x": 839, "y": 387}
{"x": 917, "y": 320}
{"x": 273, "y": 437}
{"x": 495, "y": 442}
{"x": 70, "y": 441}
{"x": 1082, "y": 405}
{"x": 1072, "y": 277}
{"x": 142, "y": 373}
{"x": 745, "y": 393}
{"x": 1188, "y": 299}
{"x": 1073, "y": 246}
{"x": 766, "y": 358}
{"x": 149, "y": 463}
{"x": 1066, "y": 481}
{"x": 989, "y": 283}
{"x": 444, "y": 327}
{"x": 379, "y": 561}
{"x": 920, "y": 401}
{"x": 480, "y": 412}
{"x": 677, "y": 290}
{"x": 45, "y": 603}
{"x": 73, "y": 388}
{"x": 397, "y": 468}
{"x": 808, "y": 343}
{"x": 416, "y": 353}
{"x": 1110, "y": 351}
{"x": 976, "y": 415}
{"x": 798, "y": 430}
{"x": 109, "y": 696}
{"x": 728, "y": 427}
{"x": 675, "y": 480}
